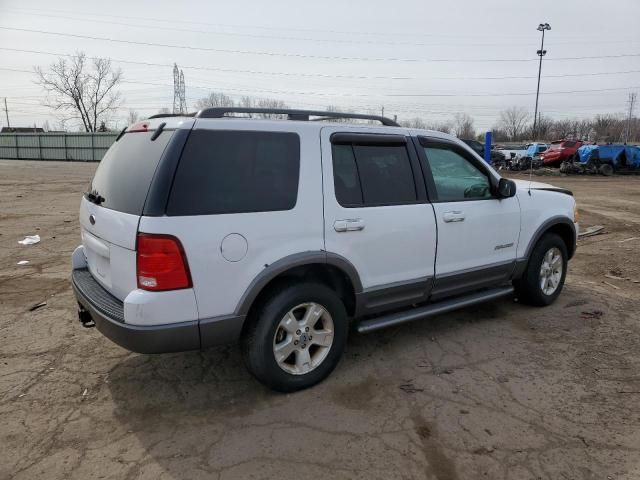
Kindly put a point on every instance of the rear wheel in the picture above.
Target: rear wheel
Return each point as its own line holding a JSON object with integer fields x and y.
{"x": 606, "y": 169}
{"x": 296, "y": 337}
{"x": 544, "y": 276}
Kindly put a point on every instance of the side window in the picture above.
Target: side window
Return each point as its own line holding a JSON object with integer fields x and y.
{"x": 345, "y": 176}
{"x": 236, "y": 172}
{"x": 455, "y": 177}
{"x": 372, "y": 175}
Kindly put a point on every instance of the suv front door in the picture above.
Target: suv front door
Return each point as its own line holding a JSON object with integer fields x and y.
{"x": 377, "y": 214}
{"x": 477, "y": 231}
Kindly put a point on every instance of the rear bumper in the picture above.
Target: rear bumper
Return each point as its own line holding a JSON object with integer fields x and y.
{"x": 107, "y": 312}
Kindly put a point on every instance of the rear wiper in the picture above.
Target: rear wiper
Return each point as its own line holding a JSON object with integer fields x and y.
{"x": 94, "y": 197}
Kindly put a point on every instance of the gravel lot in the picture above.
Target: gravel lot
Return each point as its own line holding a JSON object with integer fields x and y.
{"x": 496, "y": 391}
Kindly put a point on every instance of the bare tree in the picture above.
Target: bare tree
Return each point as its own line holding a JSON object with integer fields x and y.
{"x": 444, "y": 127}
{"x": 164, "y": 111}
{"x": 82, "y": 90}
{"x": 463, "y": 126}
{"x": 513, "y": 121}
{"x": 133, "y": 117}
{"x": 414, "y": 123}
{"x": 215, "y": 99}
{"x": 544, "y": 126}
{"x": 270, "y": 103}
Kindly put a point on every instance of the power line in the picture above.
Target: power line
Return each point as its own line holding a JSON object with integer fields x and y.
{"x": 291, "y": 38}
{"x": 350, "y": 32}
{"x": 301, "y": 55}
{"x": 320, "y": 75}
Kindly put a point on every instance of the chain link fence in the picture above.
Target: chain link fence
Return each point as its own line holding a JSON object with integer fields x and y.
{"x": 77, "y": 147}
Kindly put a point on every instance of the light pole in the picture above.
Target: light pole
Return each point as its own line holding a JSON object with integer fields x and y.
{"x": 541, "y": 53}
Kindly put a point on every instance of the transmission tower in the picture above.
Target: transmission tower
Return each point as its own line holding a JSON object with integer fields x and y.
{"x": 179, "y": 96}
{"x": 632, "y": 103}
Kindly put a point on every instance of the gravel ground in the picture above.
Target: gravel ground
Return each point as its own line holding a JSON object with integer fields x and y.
{"x": 495, "y": 391}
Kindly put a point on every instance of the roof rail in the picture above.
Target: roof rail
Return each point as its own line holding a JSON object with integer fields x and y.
{"x": 166, "y": 115}
{"x": 219, "y": 112}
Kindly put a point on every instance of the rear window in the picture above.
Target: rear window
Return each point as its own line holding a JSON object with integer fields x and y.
{"x": 236, "y": 172}
{"x": 372, "y": 175}
{"x": 125, "y": 173}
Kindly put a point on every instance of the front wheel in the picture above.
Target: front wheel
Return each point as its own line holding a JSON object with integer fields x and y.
{"x": 544, "y": 276}
{"x": 296, "y": 337}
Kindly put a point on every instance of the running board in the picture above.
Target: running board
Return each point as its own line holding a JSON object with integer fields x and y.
{"x": 432, "y": 309}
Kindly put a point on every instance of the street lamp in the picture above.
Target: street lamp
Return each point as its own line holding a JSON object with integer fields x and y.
{"x": 541, "y": 53}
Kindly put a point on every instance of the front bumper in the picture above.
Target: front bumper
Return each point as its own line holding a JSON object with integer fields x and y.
{"x": 107, "y": 312}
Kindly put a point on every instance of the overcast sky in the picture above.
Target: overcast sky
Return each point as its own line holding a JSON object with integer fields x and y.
{"x": 418, "y": 58}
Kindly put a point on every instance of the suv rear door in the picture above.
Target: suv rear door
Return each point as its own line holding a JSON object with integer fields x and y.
{"x": 377, "y": 215}
{"x": 111, "y": 208}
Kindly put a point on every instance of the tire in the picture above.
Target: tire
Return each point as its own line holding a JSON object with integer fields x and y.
{"x": 273, "y": 326}
{"x": 529, "y": 288}
{"x": 606, "y": 169}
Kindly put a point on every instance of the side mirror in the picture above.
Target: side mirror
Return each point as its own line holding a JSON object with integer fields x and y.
{"x": 506, "y": 188}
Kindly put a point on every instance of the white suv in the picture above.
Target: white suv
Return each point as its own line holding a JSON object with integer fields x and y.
{"x": 283, "y": 234}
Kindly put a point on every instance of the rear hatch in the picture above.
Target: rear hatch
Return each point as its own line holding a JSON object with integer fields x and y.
{"x": 111, "y": 208}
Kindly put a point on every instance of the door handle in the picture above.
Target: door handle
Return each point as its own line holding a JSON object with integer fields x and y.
{"x": 348, "y": 225}
{"x": 453, "y": 216}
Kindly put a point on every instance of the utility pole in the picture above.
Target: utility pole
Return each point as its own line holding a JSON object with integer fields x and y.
{"x": 632, "y": 101}
{"x": 541, "y": 53}
{"x": 6, "y": 112}
{"x": 382, "y": 114}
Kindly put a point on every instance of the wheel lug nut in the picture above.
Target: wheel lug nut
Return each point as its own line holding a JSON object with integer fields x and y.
{"x": 310, "y": 337}
{"x": 304, "y": 345}
{"x": 306, "y": 329}
{"x": 298, "y": 332}
{"x": 296, "y": 342}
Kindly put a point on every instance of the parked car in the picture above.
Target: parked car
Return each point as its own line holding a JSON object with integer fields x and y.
{"x": 286, "y": 234}
{"x": 497, "y": 158}
{"x": 559, "y": 151}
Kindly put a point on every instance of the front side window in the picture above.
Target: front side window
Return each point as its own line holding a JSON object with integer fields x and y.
{"x": 372, "y": 175}
{"x": 455, "y": 177}
{"x": 236, "y": 172}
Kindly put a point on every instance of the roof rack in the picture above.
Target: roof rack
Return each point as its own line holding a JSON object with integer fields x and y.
{"x": 167, "y": 115}
{"x": 220, "y": 112}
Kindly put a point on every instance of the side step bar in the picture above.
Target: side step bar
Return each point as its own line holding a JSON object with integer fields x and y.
{"x": 432, "y": 309}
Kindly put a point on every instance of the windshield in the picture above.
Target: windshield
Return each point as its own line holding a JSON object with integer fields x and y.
{"x": 123, "y": 177}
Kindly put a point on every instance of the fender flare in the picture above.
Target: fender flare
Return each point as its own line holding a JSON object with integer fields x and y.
{"x": 291, "y": 261}
{"x": 521, "y": 263}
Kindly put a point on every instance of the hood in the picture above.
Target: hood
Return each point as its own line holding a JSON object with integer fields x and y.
{"x": 522, "y": 185}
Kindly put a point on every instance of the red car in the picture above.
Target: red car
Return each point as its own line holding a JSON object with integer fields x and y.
{"x": 559, "y": 151}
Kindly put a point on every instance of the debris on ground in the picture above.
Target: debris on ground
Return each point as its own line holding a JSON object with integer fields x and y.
{"x": 22, "y": 262}
{"x": 589, "y": 232}
{"x": 410, "y": 388}
{"x": 592, "y": 314}
{"x": 611, "y": 285}
{"x": 614, "y": 277}
{"x": 30, "y": 240}
{"x": 37, "y": 306}
{"x": 628, "y": 239}
{"x": 502, "y": 379}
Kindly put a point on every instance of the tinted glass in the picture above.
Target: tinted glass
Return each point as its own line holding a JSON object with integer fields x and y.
{"x": 125, "y": 173}
{"x": 455, "y": 177}
{"x": 569, "y": 144}
{"x": 236, "y": 172}
{"x": 345, "y": 176}
{"x": 385, "y": 174}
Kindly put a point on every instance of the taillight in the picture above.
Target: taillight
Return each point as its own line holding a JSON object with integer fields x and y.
{"x": 161, "y": 263}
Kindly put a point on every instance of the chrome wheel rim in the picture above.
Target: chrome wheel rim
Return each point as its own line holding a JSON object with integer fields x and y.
{"x": 551, "y": 271}
{"x": 303, "y": 338}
